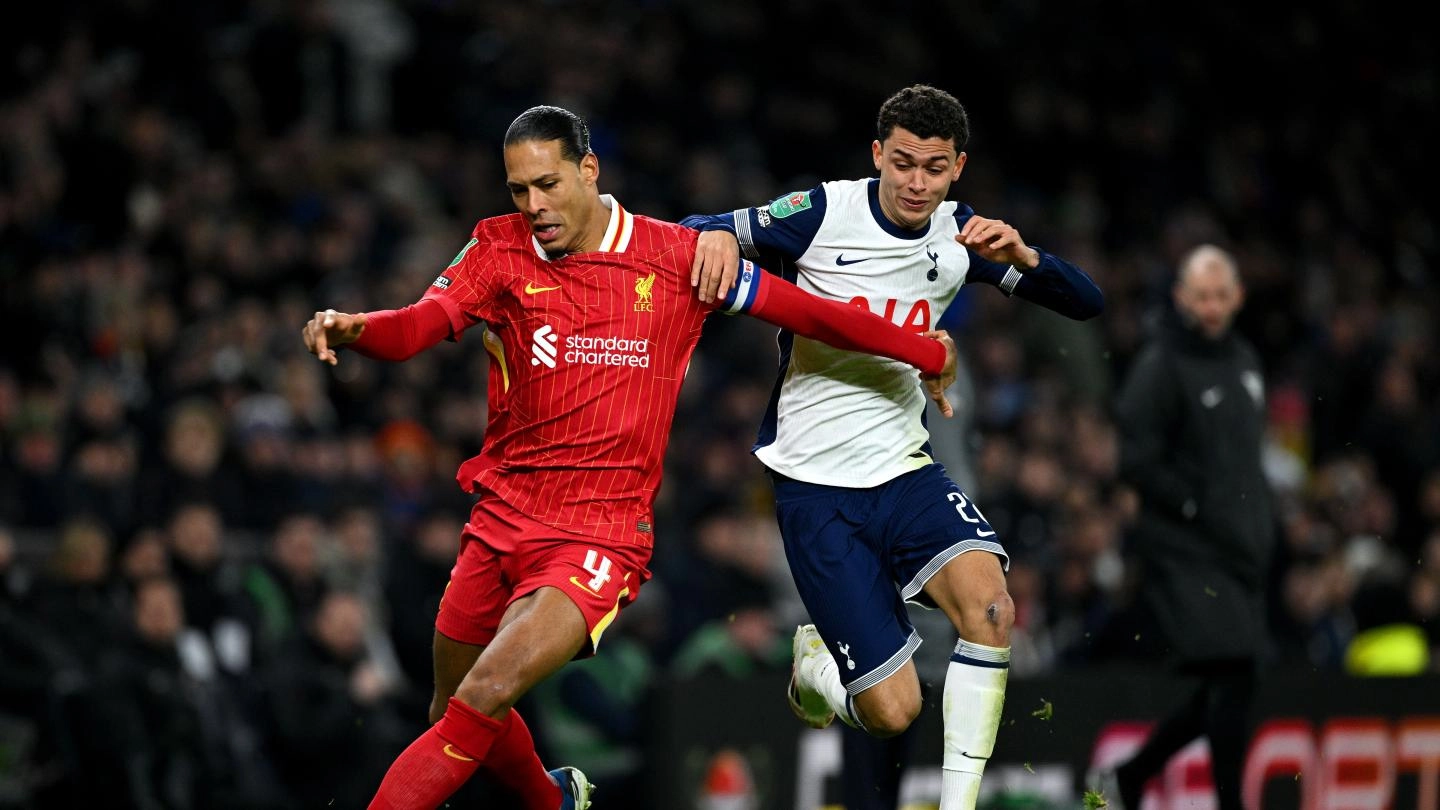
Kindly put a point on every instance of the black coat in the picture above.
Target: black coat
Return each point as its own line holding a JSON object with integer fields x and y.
{"x": 1191, "y": 416}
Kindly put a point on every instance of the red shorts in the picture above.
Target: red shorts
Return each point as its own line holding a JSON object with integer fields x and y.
{"x": 505, "y": 554}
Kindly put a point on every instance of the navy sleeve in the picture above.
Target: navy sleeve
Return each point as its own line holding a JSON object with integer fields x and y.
{"x": 785, "y": 226}
{"x": 1054, "y": 284}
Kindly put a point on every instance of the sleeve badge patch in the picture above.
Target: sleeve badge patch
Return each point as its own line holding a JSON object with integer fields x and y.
{"x": 459, "y": 257}
{"x": 790, "y": 204}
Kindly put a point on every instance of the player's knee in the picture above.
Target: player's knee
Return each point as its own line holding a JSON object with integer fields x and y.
{"x": 988, "y": 621}
{"x": 1000, "y": 613}
{"x": 487, "y": 693}
{"x": 890, "y": 718}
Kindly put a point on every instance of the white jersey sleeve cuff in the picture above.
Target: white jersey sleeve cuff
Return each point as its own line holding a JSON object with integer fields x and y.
{"x": 747, "y": 284}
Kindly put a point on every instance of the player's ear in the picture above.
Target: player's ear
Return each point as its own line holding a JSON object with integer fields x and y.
{"x": 590, "y": 168}
{"x": 959, "y": 167}
{"x": 875, "y": 153}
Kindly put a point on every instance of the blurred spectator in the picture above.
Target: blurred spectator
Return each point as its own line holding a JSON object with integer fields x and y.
{"x": 103, "y": 461}
{"x": 32, "y": 682}
{"x": 286, "y": 586}
{"x": 417, "y": 572}
{"x": 15, "y": 578}
{"x": 263, "y": 427}
{"x": 38, "y": 475}
{"x": 745, "y": 643}
{"x": 144, "y": 557}
{"x": 209, "y": 583}
{"x": 173, "y": 733}
{"x": 77, "y": 598}
{"x": 357, "y": 555}
{"x": 190, "y": 466}
{"x": 323, "y": 688}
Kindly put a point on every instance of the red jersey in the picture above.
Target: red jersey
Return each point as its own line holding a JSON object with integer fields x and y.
{"x": 588, "y": 353}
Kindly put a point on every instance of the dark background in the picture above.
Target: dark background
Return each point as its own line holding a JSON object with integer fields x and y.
{"x": 183, "y": 184}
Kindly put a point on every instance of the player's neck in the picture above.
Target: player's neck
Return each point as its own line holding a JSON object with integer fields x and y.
{"x": 595, "y": 229}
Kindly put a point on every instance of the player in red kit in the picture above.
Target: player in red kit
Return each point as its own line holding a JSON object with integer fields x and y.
{"x": 590, "y": 321}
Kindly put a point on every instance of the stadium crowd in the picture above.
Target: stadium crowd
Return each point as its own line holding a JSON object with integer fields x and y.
{"x": 218, "y": 557}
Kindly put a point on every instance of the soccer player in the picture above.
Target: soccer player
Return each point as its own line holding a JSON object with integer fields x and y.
{"x": 869, "y": 520}
{"x": 590, "y": 322}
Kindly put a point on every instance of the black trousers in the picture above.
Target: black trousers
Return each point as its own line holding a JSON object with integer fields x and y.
{"x": 1219, "y": 709}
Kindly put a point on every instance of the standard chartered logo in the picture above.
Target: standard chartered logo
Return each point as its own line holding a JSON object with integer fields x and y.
{"x": 542, "y": 346}
{"x": 607, "y": 351}
{"x": 588, "y": 351}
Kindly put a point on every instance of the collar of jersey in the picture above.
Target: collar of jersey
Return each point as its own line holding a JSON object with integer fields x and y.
{"x": 872, "y": 190}
{"x": 617, "y": 233}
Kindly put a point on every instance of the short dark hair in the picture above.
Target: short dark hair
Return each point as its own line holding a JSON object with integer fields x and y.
{"x": 926, "y": 111}
{"x": 545, "y": 123}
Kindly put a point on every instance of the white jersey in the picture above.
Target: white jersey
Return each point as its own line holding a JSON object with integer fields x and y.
{"x": 854, "y": 420}
{"x": 844, "y": 418}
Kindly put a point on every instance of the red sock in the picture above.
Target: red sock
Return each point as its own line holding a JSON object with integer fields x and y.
{"x": 514, "y": 762}
{"x": 439, "y": 762}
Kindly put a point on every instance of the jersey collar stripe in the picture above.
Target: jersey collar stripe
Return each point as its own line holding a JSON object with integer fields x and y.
{"x": 627, "y": 228}
{"x": 617, "y": 233}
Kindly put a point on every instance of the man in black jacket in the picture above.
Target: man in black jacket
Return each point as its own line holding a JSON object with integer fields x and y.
{"x": 1191, "y": 416}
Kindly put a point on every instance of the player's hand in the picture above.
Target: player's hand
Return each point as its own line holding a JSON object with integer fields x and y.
{"x": 935, "y": 386}
{"x": 717, "y": 260}
{"x": 329, "y": 329}
{"x": 997, "y": 242}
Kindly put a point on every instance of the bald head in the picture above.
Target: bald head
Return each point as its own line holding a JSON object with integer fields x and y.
{"x": 1208, "y": 291}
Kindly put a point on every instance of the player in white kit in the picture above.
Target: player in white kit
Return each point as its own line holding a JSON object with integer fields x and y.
{"x": 870, "y": 521}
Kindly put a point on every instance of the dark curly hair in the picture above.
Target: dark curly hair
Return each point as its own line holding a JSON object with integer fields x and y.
{"x": 546, "y": 123}
{"x": 926, "y": 111}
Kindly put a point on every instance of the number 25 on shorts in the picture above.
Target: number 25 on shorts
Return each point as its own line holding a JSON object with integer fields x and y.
{"x": 961, "y": 504}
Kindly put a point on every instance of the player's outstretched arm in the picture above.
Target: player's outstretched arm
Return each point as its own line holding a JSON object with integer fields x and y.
{"x": 390, "y": 334}
{"x": 777, "y": 301}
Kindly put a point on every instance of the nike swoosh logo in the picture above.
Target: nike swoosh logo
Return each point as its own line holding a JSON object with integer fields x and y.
{"x": 577, "y": 583}
{"x": 841, "y": 261}
{"x": 967, "y": 756}
{"x": 531, "y": 289}
{"x": 453, "y": 754}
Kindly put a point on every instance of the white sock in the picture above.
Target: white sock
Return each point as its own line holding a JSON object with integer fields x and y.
{"x": 974, "y": 696}
{"x": 825, "y": 678}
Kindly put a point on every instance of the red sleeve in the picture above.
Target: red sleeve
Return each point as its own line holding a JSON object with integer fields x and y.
{"x": 467, "y": 288}
{"x": 399, "y": 334}
{"x": 843, "y": 326}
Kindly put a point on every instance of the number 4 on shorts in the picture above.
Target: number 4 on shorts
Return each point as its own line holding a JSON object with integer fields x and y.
{"x": 598, "y": 566}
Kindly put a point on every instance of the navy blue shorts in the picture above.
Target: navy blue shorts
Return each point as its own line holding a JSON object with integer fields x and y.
{"x": 858, "y": 555}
